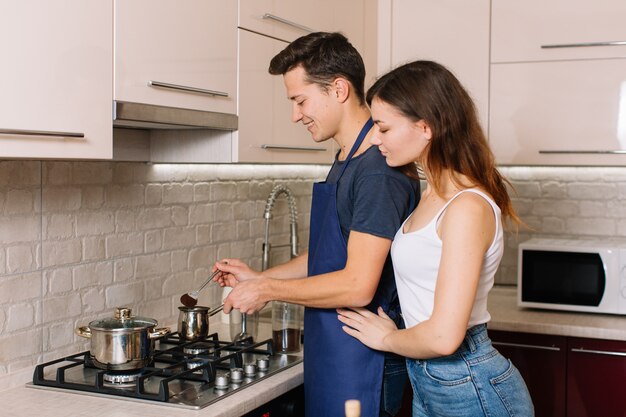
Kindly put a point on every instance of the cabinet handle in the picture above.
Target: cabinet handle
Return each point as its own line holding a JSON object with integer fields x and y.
{"x": 552, "y": 348}
{"x": 293, "y": 148}
{"x": 616, "y": 152}
{"x": 288, "y": 22}
{"x": 583, "y": 44}
{"x": 41, "y": 133}
{"x": 185, "y": 88}
{"x": 599, "y": 352}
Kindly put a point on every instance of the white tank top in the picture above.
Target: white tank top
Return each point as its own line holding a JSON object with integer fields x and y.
{"x": 416, "y": 256}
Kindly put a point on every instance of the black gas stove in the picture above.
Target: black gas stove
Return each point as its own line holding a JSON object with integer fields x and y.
{"x": 184, "y": 374}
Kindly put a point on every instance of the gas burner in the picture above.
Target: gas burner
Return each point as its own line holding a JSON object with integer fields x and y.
{"x": 194, "y": 363}
{"x": 249, "y": 369}
{"x": 222, "y": 381}
{"x": 197, "y": 349}
{"x": 121, "y": 378}
{"x": 236, "y": 375}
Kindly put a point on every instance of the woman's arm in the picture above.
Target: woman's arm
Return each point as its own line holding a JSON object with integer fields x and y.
{"x": 467, "y": 230}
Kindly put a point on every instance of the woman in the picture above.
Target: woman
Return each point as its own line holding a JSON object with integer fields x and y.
{"x": 446, "y": 253}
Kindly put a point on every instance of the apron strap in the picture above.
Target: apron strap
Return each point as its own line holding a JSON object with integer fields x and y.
{"x": 359, "y": 140}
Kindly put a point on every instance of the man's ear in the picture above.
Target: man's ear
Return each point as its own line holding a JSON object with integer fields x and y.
{"x": 341, "y": 88}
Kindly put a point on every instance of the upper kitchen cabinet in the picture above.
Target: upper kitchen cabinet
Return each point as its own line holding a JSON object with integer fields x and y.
{"x": 454, "y": 33}
{"x": 56, "y": 79}
{"x": 540, "y": 30}
{"x": 266, "y": 132}
{"x": 177, "y": 54}
{"x": 558, "y": 82}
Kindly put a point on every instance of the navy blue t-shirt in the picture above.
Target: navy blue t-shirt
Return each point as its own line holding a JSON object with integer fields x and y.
{"x": 374, "y": 198}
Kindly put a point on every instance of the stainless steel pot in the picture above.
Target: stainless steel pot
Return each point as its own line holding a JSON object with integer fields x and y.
{"x": 193, "y": 322}
{"x": 124, "y": 342}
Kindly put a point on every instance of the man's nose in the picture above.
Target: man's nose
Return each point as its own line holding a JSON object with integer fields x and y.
{"x": 296, "y": 114}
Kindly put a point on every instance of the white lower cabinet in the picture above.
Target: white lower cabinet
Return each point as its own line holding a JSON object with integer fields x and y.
{"x": 56, "y": 79}
{"x": 266, "y": 132}
{"x": 559, "y": 113}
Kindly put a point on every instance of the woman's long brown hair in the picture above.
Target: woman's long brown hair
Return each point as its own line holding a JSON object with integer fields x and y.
{"x": 426, "y": 90}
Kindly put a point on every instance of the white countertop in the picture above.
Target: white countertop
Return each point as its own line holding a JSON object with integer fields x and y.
{"x": 24, "y": 401}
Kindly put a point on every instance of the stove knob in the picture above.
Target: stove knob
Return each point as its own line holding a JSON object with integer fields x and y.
{"x": 263, "y": 364}
{"x": 222, "y": 381}
{"x": 236, "y": 374}
{"x": 249, "y": 369}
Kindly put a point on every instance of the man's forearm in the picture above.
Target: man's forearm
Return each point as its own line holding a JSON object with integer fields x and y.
{"x": 295, "y": 268}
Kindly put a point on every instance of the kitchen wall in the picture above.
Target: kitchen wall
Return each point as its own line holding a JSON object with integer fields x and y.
{"x": 80, "y": 238}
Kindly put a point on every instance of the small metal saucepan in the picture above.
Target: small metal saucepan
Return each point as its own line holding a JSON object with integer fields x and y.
{"x": 124, "y": 342}
{"x": 193, "y": 322}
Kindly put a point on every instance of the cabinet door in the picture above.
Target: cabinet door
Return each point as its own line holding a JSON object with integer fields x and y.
{"x": 559, "y": 113}
{"x": 596, "y": 377}
{"x": 541, "y": 360}
{"x": 285, "y": 19}
{"x": 576, "y": 29}
{"x": 430, "y": 29}
{"x": 56, "y": 79}
{"x": 266, "y": 132}
{"x": 178, "y": 54}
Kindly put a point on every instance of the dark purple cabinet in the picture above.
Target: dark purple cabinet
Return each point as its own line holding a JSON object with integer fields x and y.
{"x": 568, "y": 376}
{"x": 596, "y": 378}
{"x": 542, "y": 361}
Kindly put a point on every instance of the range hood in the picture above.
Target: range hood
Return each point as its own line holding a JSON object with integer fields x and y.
{"x": 147, "y": 116}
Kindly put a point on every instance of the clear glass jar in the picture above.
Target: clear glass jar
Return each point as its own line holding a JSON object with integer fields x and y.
{"x": 243, "y": 323}
{"x": 286, "y": 327}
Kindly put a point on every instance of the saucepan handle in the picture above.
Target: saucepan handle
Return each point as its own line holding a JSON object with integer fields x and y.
{"x": 84, "y": 331}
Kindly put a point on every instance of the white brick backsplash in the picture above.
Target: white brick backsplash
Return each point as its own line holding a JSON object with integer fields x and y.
{"x": 154, "y": 194}
{"x": 154, "y": 218}
{"x": 125, "y": 221}
{"x": 21, "y": 344}
{"x": 2, "y": 261}
{"x": 90, "y": 173}
{"x": 124, "y": 244}
{"x": 123, "y": 173}
{"x": 148, "y": 265}
{"x": 592, "y": 191}
{"x": 177, "y": 193}
{"x": 124, "y": 195}
{"x": 180, "y": 216}
{"x": 560, "y": 208}
{"x": 224, "y": 211}
{"x": 176, "y": 238}
{"x": 19, "y": 201}
{"x": 59, "y": 280}
{"x": 203, "y": 235}
{"x": 226, "y": 191}
{"x": 20, "y": 288}
{"x": 95, "y": 223}
{"x": 123, "y": 269}
{"x": 591, "y": 227}
{"x": 179, "y": 260}
{"x": 243, "y": 229}
{"x": 20, "y": 316}
{"x": 61, "y": 199}
{"x": 93, "y": 300}
{"x": 202, "y": 192}
{"x": 94, "y": 248}
{"x": 62, "y": 307}
{"x": 61, "y": 252}
{"x": 95, "y": 274}
{"x": 179, "y": 284}
{"x": 57, "y": 226}
{"x": 527, "y": 189}
{"x": 17, "y": 228}
{"x": 57, "y": 173}
{"x": 17, "y": 174}
{"x": 223, "y": 232}
{"x": 592, "y": 208}
{"x": 20, "y": 259}
{"x": 553, "y": 225}
{"x": 121, "y": 295}
{"x": 202, "y": 257}
{"x": 202, "y": 214}
{"x": 153, "y": 287}
{"x": 58, "y": 335}
{"x": 2, "y": 320}
{"x": 92, "y": 197}
{"x": 153, "y": 241}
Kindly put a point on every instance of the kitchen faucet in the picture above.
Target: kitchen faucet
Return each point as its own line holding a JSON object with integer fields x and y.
{"x": 293, "y": 217}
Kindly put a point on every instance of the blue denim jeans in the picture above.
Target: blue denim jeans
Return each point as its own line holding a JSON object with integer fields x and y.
{"x": 394, "y": 381}
{"x": 474, "y": 381}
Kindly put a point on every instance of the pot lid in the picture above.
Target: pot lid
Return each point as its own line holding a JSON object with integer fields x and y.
{"x": 123, "y": 320}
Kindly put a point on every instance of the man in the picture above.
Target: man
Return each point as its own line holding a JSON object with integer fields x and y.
{"x": 354, "y": 216}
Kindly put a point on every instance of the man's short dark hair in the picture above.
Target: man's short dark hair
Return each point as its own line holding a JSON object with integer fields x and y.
{"x": 324, "y": 56}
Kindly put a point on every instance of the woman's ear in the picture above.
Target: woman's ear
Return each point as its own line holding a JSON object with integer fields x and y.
{"x": 424, "y": 129}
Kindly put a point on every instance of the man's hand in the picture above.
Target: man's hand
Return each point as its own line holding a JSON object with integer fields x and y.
{"x": 232, "y": 271}
{"x": 247, "y": 297}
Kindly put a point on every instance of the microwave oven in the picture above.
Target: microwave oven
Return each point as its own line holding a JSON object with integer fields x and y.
{"x": 573, "y": 275}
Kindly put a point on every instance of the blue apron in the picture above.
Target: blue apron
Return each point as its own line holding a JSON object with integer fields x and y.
{"x": 337, "y": 367}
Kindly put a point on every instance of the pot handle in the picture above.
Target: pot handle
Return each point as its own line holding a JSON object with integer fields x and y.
{"x": 84, "y": 331}
{"x": 160, "y": 332}
{"x": 217, "y": 310}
